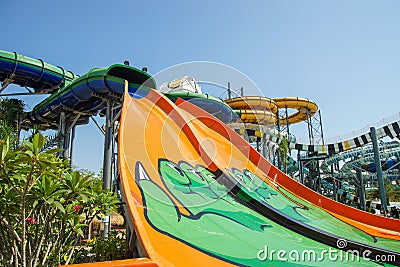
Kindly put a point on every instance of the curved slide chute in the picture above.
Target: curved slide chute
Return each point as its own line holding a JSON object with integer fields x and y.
{"x": 212, "y": 105}
{"x": 356, "y": 153}
{"x": 254, "y": 109}
{"x": 87, "y": 95}
{"x": 33, "y": 73}
{"x": 200, "y": 195}
{"x": 305, "y": 107}
{"x": 81, "y": 97}
{"x": 252, "y": 102}
{"x": 265, "y": 109}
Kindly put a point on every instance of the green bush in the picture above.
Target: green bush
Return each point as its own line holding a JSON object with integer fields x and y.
{"x": 112, "y": 247}
{"x": 11, "y": 115}
{"x": 44, "y": 206}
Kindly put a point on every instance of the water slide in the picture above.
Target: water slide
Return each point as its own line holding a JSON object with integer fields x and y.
{"x": 356, "y": 153}
{"x": 388, "y": 159}
{"x": 263, "y": 110}
{"x": 258, "y": 108}
{"x": 212, "y": 105}
{"x": 362, "y": 157}
{"x": 79, "y": 96}
{"x": 32, "y": 73}
{"x": 199, "y": 195}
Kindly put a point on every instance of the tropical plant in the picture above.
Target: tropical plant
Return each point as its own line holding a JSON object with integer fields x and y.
{"x": 11, "y": 115}
{"x": 392, "y": 193}
{"x": 283, "y": 150}
{"x": 112, "y": 247}
{"x": 44, "y": 206}
{"x": 372, "y": 194}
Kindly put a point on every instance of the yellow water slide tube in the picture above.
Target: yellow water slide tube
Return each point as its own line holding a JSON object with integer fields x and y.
{"x": 301, "y": 104}
{"x": 254, "y": 109}
{"x": 263, "y": 110}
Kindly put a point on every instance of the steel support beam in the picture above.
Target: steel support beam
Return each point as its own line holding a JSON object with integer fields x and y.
{"x": 107, "y": 160}
{"x": 334, "y": 186}
{"x": 64, "y": 134}
{"x": 361, "y": 190}
{"x": 301, "y": 175}
{"x": 71, "y": 150}
{"x": 379, "y": 175}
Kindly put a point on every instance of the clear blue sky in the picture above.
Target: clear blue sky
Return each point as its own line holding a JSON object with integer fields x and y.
{"x": 342, "y": 54}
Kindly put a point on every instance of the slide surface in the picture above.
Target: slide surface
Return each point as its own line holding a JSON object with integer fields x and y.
{"x": 199, "y": 195}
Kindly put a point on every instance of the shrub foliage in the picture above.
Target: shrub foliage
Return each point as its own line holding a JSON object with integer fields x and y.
{"x": 44, "y": 206}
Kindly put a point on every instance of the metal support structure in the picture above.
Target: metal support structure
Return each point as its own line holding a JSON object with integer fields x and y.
{"x": 322, "y": 141}
{"x": 67, "y": 142}
{"x": 277, "y": 160}
{"x": 107, "y": 160}
{"x": 62, "y": 128}
{"x": 315, "y": 131}
{"x": 110, "y": 171}
{"x": 379, "y": 175}
{"x": 258, "y": 144}
{"x": 64, "y": 134}
{"x": 98, "y": 125}
{"x": 229, "y": 90}
{"x": 336, "y": 164}
{"x": 71, "y": 150}
{"x": 287, "y": 122}
{"x": 318, "y": 180}
{"x": 361, "y": 189}
{"x": 263, "y": 148}
{"x": 310, "y": 129}
{"x": 334, "y": 189}
{"x": 23, "y": 94}
{"x": 301, "y": 175}
{"x": 4, "y": 85}
{"x": 283, "y": 113}
{"x": 315, "y": 135}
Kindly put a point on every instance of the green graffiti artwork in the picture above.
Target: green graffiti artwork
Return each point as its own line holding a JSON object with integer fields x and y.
{"x": 213, "y": 221}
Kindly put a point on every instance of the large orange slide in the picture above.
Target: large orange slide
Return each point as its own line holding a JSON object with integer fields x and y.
{"x": 199, "y": 195}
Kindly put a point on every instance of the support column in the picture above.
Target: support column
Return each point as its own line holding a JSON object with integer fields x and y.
{"x": 301, "y": 175}
{"x": 361, "y": 189}
{"x": 66, "y": 144}
{"x": 318, "y": 181}
{"x": 320, "y": 124}
{"x": 61, "y": 131}
{"x": 64, "y": 133}
{"x": 71, "y": 150}
{"x": 107, "y": 162}
{"x": 379, "y": 175}
{"x": 334, "y": 187}
{"x": 287, "y": 123}
{"x": 278, "y": 125}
